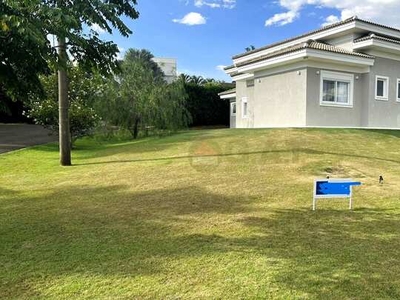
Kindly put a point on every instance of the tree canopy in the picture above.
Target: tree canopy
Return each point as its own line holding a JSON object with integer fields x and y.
{"x": 30, "y": 23}
{"x": 25, "y": 26}
{"x": 85, "y": 89}
{"x": 140, "y": 97}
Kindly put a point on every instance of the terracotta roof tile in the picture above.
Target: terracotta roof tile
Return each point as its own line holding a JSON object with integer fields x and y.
{"x": 374, "y": 36}
{"x": 349, "y": 20}
{"x": 229, "y": 67}
{"x": 311, "y": 44}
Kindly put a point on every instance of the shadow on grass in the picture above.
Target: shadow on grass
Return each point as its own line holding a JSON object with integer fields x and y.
{"x": 113, "y": 231}
{"x": 88, "y": 148}
{"x": 107, "y": 231}
{"x": 294, "y": 152}
{"x": 332, "y": 254}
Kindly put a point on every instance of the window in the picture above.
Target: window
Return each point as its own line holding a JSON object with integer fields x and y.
{"x": 398, "y": 90}
{"x": 382, "y": 88}
{"x": 244, "y": 107}
{"x": 336, "y": 89}
{"x": 233, "y": 109}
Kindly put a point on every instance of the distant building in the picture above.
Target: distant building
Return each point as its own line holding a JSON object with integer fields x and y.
{"x": 168, "y": 66}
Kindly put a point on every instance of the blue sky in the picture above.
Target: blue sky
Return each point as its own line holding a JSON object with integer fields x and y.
{"x": 203, "y": 35}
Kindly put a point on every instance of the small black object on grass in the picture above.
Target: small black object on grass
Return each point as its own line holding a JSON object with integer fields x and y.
{"x": 380, "y": 179}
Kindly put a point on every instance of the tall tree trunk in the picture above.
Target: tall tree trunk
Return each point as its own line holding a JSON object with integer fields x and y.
{"x": 63, "y": 105}
{"x": 136, "y": 128}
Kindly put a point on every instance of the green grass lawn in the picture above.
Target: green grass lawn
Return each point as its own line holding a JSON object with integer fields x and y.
{"x": 223, "y": 214}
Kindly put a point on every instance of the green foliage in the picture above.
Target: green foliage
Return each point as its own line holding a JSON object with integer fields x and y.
{"x": 250, "y": 48}
{"x": 198, "y": 80}
{"x": 203, "y": 103}
{"x": 26, "y": 52}
{"x": 4, "y": 107}
{"x": 85, "y": 89}
{"x": 139, "y": 97}
{"x": 11, "y": 111}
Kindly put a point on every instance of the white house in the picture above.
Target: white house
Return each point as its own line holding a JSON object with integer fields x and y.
{"x": 343, "y": 75}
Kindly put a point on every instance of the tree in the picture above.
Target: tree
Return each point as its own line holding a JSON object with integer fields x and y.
{"x": 204, "y": 104}
{"x": 199, "y": 80}
{"x": 11, "y": 110}
{"x": 184, "y": 77}
{"x": 24, "y": 54}
{"x": 85, "y": 90}
{"x": 36, "y": 19}
{"x": 140, "y": 97}
{"x": 250, "y": 48}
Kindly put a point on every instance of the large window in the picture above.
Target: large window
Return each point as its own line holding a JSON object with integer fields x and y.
{"x": 398, "y": 90}
{"x": 244, "y": 107}
{"x": 382, "y": 88}
{"x": 336, "y": 89}
{"x": 233, "y": 109}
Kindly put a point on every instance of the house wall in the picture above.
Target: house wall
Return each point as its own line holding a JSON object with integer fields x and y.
{"x": 232, "y": 122}
{"x": 279, "y": 99}
{"x": 364, "y": 84}
{"x": 243, "y": 91}
{"x": 345, "y": 41}
{"x": 318, "y": 115}
{"x": 384, "y": 113}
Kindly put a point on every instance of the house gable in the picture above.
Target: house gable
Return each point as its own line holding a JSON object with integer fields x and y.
{"x": 347, "y": 35}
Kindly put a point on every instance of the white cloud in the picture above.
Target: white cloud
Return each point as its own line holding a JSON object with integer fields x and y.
{"x": 380, "y": 11}
{"x": 220, "y": 68}
{"x": 97, "y": 28}
{"x": 191, "y": 19}
{"x": 330, "y": 20}
{"x": 282, "y": 18}
{"x": 121, "y": 53}
{"x": 229, "y": 4}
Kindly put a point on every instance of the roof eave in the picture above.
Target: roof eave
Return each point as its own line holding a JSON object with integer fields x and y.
{"x": 316, "y": 34}
{"x": 378, "y": 44}
{"x": 228, "y": 96}
{"x": 340, "y": 28}
{"x": 242, "y": 76}
{"x": 231, "y": 71}
{"x": 305, "y": 54}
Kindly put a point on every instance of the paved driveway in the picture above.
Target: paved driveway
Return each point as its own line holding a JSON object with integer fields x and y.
{"x": 17, "y": 136}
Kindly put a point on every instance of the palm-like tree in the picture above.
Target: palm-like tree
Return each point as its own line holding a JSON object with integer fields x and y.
{"x": 199, "y": 80}
{"x": 185, "y": 78}
{"x": 250, "y": 48}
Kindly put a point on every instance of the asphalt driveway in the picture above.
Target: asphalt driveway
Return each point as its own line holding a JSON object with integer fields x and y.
{"x": 17, "y": 136}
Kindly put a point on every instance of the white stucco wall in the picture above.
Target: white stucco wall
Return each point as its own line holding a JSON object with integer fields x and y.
{"x": 242, "y": 91}
{"x": 277, "y": 100}
{"x": 384, "y": 113}
{"x": 319, "y": 115}
{"x": 292, "y": 98}
{"x": 280, "y": 99}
